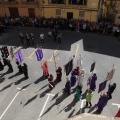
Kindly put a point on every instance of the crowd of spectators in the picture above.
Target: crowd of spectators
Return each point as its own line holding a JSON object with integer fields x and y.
{"x": 100, "y": 27}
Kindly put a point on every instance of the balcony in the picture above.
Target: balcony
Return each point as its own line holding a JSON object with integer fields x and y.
{"x": 57, "y": 1}
{"x": 10, "y": 2}
{"x": 29, "y": 2}
{"x": 78, "y": 2}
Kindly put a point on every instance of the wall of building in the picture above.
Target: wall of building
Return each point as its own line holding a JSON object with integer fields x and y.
{"x": 49, "y": 10}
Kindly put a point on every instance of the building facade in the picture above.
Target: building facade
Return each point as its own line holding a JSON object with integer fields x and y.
{"x": 72, "y": 9}
{"x": 110, "y": 9}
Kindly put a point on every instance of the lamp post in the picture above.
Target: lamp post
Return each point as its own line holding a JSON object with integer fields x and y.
{"x": 43, "y": 7}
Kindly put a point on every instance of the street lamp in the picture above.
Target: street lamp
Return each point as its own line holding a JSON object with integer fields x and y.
{"x": 43, "y": 6}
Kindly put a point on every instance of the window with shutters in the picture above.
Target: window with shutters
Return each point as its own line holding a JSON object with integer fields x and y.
{"x": 57, "y": 1}
{"x": 58, "y": 12}
{"x": 78, "y": 2}
{"x": 81, "y": 14}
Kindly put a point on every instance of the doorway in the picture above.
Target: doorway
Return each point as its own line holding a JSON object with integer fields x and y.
{"x": 31, "y": 12}
{"x": 70, "y": 15}
{"x": 14, "y": 12}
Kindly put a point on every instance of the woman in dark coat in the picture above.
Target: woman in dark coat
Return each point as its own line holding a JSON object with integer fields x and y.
{"x": 92, "y": 81}
{"x": 25, "y": 70}
{"x": 111, "y": 89}
{"x": 102, "y": 102}
{"x": 68, "y": 86}
{"x": 73, "y": 78}
{"x": 51, "y": 82}
{"x": 59, "y": 74}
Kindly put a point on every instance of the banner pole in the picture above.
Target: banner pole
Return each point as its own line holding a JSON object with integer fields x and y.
{"x": 54, "y": 61}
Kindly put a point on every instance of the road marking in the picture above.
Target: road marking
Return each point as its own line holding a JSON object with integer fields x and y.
{"x": 51, "y": 59}
{"x": 82, "y": 102}
{"x": 77, "y": 50}
{"x": 49, "y": 94}
{"x": 30, "y": 56}
{"x": 19, "y": 88}
{"x": 116, "y": 105}
{"x": 9, "y": 105}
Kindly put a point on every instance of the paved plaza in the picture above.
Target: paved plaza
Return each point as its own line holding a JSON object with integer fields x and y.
{"x": 31, "y": 99}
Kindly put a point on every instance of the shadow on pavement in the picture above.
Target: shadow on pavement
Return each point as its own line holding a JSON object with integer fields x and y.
{"x": 2, "y": 80}
{"x": 82, "y": 110}
{"x": 21, "y": 80}
{"x": 57, "y": 102}
{"x": 92, "y": 108}
{"x": 6, "y": 87}
{"x": 26, "y": 86}
{"x": 56, "y": 95}
{"x": 42, "y": 88}
{"x": 72, "y": 104}
{"x": 30, "y": 100}
{"x": 40, "y": 79}
{"x": 97, "y": 112}
{"x": 70, "y": 115}
{"x": 84, "y": 95}
{"x": 44, "y": 93}
{"x": 16, "y": 74}
{"x": 7, "y": 72}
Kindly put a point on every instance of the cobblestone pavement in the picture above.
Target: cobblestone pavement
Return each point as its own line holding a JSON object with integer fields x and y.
{"x": 33, "y": 102}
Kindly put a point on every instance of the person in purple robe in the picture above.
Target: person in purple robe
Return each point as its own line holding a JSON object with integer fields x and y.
{"x": 73, "y": 78}
{"x": 102, "y": 102}
{"x": 68, "y": 86}
{"x": 92, "y": 82}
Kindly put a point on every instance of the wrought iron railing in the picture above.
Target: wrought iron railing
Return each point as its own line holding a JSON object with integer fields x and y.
{"x": 57, "y": 1}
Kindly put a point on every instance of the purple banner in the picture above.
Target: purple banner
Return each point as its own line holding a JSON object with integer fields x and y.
{"x": 18, "y": 56}
{"x": 102, "y": 86}
{"x": 39, "y": 54}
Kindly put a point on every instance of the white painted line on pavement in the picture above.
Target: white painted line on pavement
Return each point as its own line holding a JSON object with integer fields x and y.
{"x": 9, "y": 105}
{"x": 19, "y": 88}
{"x": 49, "y": 94}
{"x": 82, "y": 102}
{"x": 116, "y": 105}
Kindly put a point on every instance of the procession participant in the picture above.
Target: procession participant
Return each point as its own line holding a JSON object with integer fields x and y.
{"x": 78, "y": 92}
{"x": 89, "y": 97}
{"x": 78, "y": 71}
{"x": 92, "y": 82}
{"x": 27, "y": 39}
{"x": 32, "y": 38}
{"x": 68, "y": 86}
{"x": 5, "y": 61}
{"x": 59, "y": 37}
{"x": 54, "y": 33}
{"x": 102, "y": 102}
{"x": 73, "y": 78}
{"x": 51, "y": 82}
{"x": 45, "y": 69}
{"x": 59, "y": 74}
{"x": 9, "y": 65}
{"x": 81, "y": 76}
{"x": 111, "y": 89}
{"x": 1, "y": 65}
{"x": 11, "y": 53}
{"x": 25, "y": 70}
{"x": 21, "y": 38}
{"x": 42, "y": 38}
{"x": 19, "y": 66}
